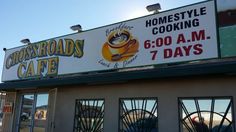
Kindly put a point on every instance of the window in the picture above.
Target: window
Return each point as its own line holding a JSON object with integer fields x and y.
{"x": 138, "y": 115}
{"x": 206, "y": 114}
{"x": 89, "y": 115}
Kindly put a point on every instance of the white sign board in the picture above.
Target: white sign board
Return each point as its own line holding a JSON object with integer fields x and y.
{"x": 182, "y": 34}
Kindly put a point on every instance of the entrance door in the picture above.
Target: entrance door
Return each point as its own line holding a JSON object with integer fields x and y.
{"x": 33, "y": 113}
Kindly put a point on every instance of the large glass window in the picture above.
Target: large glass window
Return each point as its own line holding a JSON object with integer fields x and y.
{"x": 138, "y": 115}
{"x": 89, "y": 115}
{"x": 206, "y": 114}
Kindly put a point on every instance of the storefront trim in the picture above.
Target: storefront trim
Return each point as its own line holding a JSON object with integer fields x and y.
{"x": 226, "y": 67}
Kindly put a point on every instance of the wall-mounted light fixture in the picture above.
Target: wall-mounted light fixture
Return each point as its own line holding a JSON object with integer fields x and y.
{"x": 155, "y": 7}
{"x": 25, "y": 41}
{"x": 77, "y": 28}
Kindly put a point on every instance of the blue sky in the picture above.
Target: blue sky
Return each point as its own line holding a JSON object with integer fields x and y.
{"x": 44, "y": 19}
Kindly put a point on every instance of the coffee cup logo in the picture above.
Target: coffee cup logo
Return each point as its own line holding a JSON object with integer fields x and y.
{"x": 120, "y": 46}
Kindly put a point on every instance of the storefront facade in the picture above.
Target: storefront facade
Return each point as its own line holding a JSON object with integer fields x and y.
{"x": 172, "y": 83}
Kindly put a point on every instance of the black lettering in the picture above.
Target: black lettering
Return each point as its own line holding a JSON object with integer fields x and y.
{"x": 203, "y": 11}
{"x": 148, "y": 24}
{"x": 170, "y": 18}
{"x": 154, "y": 21}
{"x": 190, "y": 13}
{"x": 195, "y": 22}
{"x": 169, "y": 28}
{"x": 176, "y": 26}
{"x": 196, "y": 13}
{"x": 155, "y": 31}
{"x": 187, "y": 24}
{"x": 161, "y": 29}
{"x": 182, "y": 14}
{"x": 162, "y": 20}
{"x": 176, "y": 16}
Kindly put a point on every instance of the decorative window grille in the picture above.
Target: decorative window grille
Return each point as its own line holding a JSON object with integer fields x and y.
{"x": 206, "y": 114}
{"x": 89, "y": 115}
{"x": 138, "y": 115}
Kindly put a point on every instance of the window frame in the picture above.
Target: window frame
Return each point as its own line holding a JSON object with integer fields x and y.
{"x": 201, "y": 98}
{"x": 137, "y": 98}
{"x": 85, "y": 99}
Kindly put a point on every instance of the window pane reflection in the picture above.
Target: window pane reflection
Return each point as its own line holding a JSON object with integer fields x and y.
{"x": 89, "y": 115}
{"x": 138, "y": 115}
{"x": 210, "y": 115}
{"x": 40, "y": 115}
{"x": 26, "y": 113}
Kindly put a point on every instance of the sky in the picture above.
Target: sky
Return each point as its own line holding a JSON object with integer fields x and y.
{"x": 44, "y": 19}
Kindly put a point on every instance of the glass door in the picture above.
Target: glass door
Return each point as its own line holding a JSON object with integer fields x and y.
{"x": 27, "y": 107}
{"x": 40, "y": 116}
{"x": 33, "y": 113}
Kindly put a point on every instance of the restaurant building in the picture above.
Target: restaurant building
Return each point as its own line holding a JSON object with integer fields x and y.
{"x": 168, "y": 72}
